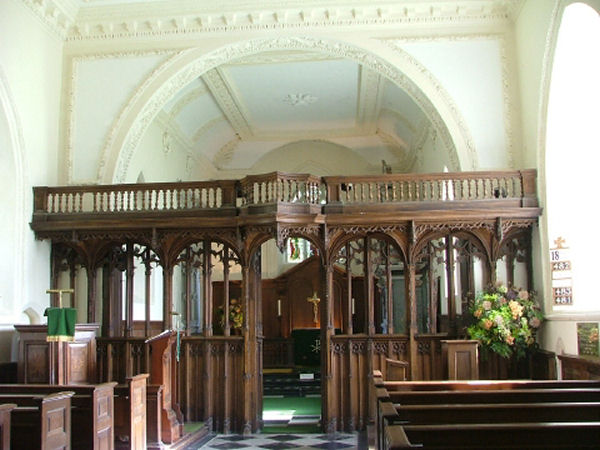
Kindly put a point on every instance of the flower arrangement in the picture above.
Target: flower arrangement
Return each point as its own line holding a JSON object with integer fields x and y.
{"x": 506, "y": 320}
{"x": 236, "y": 315}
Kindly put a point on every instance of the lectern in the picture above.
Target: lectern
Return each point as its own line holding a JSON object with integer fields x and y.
{"x": 163, "y": 371}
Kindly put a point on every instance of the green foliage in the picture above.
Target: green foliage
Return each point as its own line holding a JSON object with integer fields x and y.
{"x": 506, "y": 321}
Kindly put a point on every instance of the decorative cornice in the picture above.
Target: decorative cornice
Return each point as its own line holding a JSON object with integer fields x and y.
{"x": 184, "y": 18}
{"x": 222, "y": 93}
{"x": 57, "y": 15}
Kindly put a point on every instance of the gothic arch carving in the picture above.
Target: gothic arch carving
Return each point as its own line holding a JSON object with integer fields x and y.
{"x": 185, "y": 66}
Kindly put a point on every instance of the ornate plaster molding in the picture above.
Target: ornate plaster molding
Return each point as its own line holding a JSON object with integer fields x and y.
{"x": 221, "y": 90}
{"x": 131, "y": 21}
{"x": 187, "y": 99}
{"x": 369, "y": 100}
{"x": 225, "y": 153}
{"x": 185, "y": 66}
{"x": 57, "y": 15}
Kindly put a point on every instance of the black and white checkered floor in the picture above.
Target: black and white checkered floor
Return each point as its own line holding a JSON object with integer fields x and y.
{"x": 285, "y": 441}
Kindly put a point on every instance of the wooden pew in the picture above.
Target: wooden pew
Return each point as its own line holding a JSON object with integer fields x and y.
{"x": 437, "y": 414}
{"x": 528, "y": 435}
{"x": 45, "y": 424}
{"x": 5, "y": 410}
{"x": 479, "y": 385}
{"x": 498, "y": 413}
{"x": 130, "y": 413}
{"x": 92, "y": 410}
{"x": 496, "y": 396}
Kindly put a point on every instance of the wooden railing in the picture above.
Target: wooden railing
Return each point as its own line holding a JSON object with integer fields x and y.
{"x": 299, "y": 189}
{"x": 435, "y": 187}
{"x": 277, "y": 187}
{"x": 127, "y": 198}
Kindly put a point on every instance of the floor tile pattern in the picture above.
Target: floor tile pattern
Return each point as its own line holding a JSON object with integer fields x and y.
{"x": 284, "y": 441}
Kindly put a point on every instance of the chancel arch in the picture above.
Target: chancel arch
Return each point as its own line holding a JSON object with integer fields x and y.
{"x": 184, "y": 67}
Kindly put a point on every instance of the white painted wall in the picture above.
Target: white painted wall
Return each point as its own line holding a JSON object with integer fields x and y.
{"x": 30, "y": 78}
{"x": 471, "y": 73}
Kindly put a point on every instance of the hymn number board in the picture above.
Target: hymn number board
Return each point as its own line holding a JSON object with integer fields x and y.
{"x": 562, "y": 285}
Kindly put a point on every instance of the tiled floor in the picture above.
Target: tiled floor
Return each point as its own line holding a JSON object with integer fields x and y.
{"x": 285, "y": 441}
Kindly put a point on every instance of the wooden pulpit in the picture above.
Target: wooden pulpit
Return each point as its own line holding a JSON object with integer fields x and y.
{"x": 163, "y": 371}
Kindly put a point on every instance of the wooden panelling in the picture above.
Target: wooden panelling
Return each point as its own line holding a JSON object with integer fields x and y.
{"x": 56, "y": 362}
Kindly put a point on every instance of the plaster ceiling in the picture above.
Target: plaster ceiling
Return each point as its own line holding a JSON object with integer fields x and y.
{"x": 235, "y": 114}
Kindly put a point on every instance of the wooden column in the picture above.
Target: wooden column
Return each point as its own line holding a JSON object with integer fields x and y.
{"x": 147, "y": 292}
{"x": 348, "y": 324}
{"x": 450, "y": 284}
{"x": 433, "y": 293}
{"x": 226, "y": 324}
{"x": 329, "y": 388}
{"x": 207, "y": 287}
{"x": 413, "y": 329}
{"x": 188, "y": 291}
{"x": 370, "y": 294}
{"x": 129, "y": 291}
{"x": 389, "y": 287}
{"x": 91, "y": 293}
{"x": 167, "y": 297}
{"x": 252, "y": 379}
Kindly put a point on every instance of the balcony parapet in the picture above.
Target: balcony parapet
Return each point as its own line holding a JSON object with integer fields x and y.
{"x": 288, "y": 194}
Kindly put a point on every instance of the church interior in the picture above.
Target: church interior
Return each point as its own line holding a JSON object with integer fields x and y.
{"x": 313, "y": 217}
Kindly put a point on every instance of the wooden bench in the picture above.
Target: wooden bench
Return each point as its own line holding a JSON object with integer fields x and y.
{"x": 496, "y": 396}
{"x": 478, "y": 385}
{"x": 92, "y": 410}
{"x": 528, "y": 435}
{"x": 445, "y": 414}
{"x": 5, "y": 410}
{"x": 45, "y": 423}
{"x": 499, "y": 412}
{"x": 130, "y": 413}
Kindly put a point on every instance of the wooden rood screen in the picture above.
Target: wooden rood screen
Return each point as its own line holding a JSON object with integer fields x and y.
{"x": 384, "y": 273}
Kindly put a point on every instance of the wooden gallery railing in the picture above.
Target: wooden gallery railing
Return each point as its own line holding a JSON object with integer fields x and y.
{"x": 452, "y": 190}
{"x": 210, "y": 375}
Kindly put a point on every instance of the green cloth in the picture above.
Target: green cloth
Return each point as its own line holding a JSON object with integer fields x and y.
{"x": 61, "y": 324}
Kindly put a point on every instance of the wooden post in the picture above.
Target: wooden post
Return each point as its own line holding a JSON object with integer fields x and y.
{"x": 91, "y": 293}
{"x": 413, "y": 329}
{"x": 167, "y": 297}
{"x": 349, "y": 301}
{"x": 207, "y": 287}
{"x": 129, "y": 291}
{"x": 329, "y": 386}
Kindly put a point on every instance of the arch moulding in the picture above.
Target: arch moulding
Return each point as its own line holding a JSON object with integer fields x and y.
{"x": 187, "y": 65}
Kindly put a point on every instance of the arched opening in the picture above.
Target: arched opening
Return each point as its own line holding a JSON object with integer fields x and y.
{"x": 447, "y": 132}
